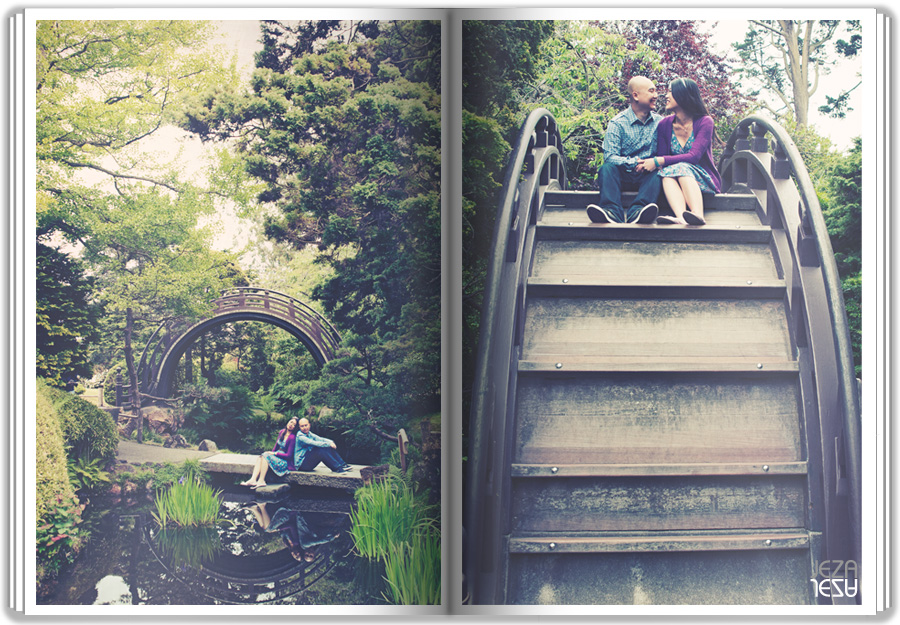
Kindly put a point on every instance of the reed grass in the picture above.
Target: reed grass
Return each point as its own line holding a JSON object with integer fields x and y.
{"x": 413, "y": 570}
{"x": 190, "y": 504}
{"x": 391, "y": 524}
{"x": 386, "y": 514}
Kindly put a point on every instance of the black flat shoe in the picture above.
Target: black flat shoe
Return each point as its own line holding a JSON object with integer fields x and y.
{"x": 692, "y": 219}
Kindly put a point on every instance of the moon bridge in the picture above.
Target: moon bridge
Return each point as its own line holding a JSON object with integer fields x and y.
{"x": 159, "y": 360}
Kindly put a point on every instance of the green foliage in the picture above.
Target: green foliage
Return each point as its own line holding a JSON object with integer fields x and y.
{"x": 344, "y": 131}
{"x": 58, "y": 535}
{"x": 87, "y": 475}
{"x": 413, "y": 569}
{"x": 386, "y": 513}
{"x": 66, "y": 317}
{"x": 89, "y": 433}
{"x": 187, "y": 503}
{"x": 223, "y": 414}
{"x": 393, "y": 525}
{"x": 53, "y": 491}
{"x": 843, "y": 209}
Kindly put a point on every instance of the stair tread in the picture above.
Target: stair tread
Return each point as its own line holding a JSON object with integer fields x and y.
{"x": 737, "y": 233}
{"x": 698, "y": 468}
{"x": 710, "y": 540}
{"x": 592, "y": 363}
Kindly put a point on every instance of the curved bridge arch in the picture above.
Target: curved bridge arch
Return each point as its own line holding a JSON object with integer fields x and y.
{"x": 169, "y": 343}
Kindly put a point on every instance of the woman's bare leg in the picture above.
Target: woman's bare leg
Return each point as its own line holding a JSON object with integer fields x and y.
{"x": 675, "y": 197}
{"x": 256, "y": 470}
{"x": 692, "y": 195}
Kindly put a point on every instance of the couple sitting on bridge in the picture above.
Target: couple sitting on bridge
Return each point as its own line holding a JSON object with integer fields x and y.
{"x": 644, "y": 151}
{"x": 296, "y": 449}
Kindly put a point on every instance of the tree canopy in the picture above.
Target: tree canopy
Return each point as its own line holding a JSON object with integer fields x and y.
{"x": 342, "y": 125}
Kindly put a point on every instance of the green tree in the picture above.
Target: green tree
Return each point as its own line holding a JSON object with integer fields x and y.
{"x": 843, "y": 216}
{"x": 104, "y": 89}
{"x": 67, "y": 317}
{"x": 344, "y": 131}
{"x": 787, "y": 58}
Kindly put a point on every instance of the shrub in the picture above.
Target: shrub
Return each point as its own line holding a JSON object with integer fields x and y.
{"x": 88, "y": 431}
{"x": 56, "y": 504}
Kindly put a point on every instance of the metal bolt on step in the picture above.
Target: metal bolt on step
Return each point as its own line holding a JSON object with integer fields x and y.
{"x": 565, "y": 281}
{"x": 766, "y": 468}
{"x": 759, "y": 365}
{"x": 571, "y": 224}
{"x": 552, "y": 545}
{"x": 768, "y": 542}
{"x": 554, "y": 470}
{"x": 559, "y": 365}
{"x": 749, "y": 281}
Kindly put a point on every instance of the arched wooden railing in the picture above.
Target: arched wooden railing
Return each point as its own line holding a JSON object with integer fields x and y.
{"x": 173, "y": 337}
{"x": 777, "y": 175}
{"x": 535, "y": 166}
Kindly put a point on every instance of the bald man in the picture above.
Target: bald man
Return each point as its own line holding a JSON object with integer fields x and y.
{"x": 630, "y": 137}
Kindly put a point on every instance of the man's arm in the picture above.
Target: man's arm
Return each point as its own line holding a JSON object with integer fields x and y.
{"x": 314, "y": 440}
{"x": 612, "y": 147}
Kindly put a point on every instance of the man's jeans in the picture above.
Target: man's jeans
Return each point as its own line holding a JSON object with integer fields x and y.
{"x": 315, "y": 455}
{"x": 614, "y": 179}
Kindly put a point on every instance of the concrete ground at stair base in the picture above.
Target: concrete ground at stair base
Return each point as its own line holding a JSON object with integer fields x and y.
{"x": 242, "y": 465}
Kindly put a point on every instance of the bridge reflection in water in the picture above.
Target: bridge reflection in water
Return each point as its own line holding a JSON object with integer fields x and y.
{"x": 291, "y": 552}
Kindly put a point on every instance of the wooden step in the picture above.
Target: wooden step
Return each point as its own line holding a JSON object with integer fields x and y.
{"x": 636, "y": 542}
{"x": 564, "y": 328}
{"x": 663, "y": 262}
{"x": 678, "y": 288}
{"x": 651, "y": 364}
{"x": 739, "y": 577}
{"x": 560, "y": 215}
{"x": 580, "y": 199}
{"x": 636, "y": 470}
{"x": 657, "y": 503}
{"x": 657, "y": 418}
{"x": 584, "y": 231}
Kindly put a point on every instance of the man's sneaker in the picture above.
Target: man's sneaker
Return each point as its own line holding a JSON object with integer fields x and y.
{"x": 646, "y": 215}
{"x": 598, "y": 215}
{"x": 344, "y": 469}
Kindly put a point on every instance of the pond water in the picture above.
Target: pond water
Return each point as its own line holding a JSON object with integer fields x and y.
{"x": 291, "y": 552}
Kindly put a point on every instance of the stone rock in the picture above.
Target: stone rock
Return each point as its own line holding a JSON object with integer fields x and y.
{"x": 115, "y": 490}
{"x": 270, "y": 492}
{"x": 207, "y": 445}
{"x": 130, "y": 488}
{"x": 161, "y": 420}
{"x": 176, "y": 440}
{"x": 374, "y": 474}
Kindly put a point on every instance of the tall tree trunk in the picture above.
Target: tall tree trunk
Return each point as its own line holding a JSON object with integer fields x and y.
{"x": 132, "y": 375}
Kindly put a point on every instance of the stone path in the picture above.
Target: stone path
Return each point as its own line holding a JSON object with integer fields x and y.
{"x": 137, "y": 453}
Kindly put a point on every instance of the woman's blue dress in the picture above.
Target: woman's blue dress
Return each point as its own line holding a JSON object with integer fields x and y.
{"x": 678, "y": 170}
{"x": 280, "y": 465}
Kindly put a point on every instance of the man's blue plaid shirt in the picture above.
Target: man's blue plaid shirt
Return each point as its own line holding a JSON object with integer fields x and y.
{"x": 628, "y": 139}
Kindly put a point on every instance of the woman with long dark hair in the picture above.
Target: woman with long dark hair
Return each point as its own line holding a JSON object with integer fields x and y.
{"x": 280, "y": 460}
{"x": 684, "y": 154}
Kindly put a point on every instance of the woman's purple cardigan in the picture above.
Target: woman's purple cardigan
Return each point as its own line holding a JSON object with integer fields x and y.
{"x": 700, "y": 152}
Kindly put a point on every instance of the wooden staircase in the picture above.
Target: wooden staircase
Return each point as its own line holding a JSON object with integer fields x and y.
{"x": 661, "y": 414}
{"x": 658, "y": 455}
